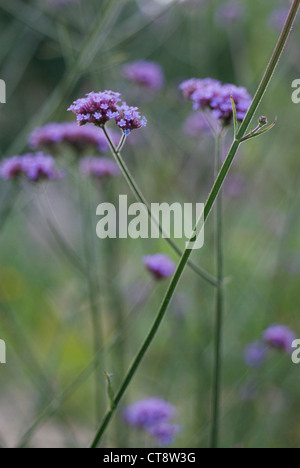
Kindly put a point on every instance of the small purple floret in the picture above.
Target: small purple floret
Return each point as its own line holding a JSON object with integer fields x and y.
{"x": 160, "y": 265}
{"x": 145, "y": 73}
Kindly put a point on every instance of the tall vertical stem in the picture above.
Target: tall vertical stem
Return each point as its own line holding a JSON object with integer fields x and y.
{"x": 216, "y": 389}
{"x": 93, "y": 293}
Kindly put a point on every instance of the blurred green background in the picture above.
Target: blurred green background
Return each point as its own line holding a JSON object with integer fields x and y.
{"x": 51, "y": 56}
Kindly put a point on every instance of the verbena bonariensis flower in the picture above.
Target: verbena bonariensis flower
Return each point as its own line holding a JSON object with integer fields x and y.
{"x": 96, "y": 108}
{"x": 70, "y": 133}
{"x": 255, "y": 353}
{"x": 149, "y": 411}
{"x": 210, "y": 94}
{"x": 130, "y": 119}
{"x": 34, "y": 167}
{"x": 98, "y": 167}
{"x": 230, "y": 12}
{"x": 145, "y": 73}
{"x": 99, "y": 108}
{"x": 164, "y": 432}
{"x": 160, "y": 265}
{"x": 279, "y": 336}
{"x": 153, "y": 415}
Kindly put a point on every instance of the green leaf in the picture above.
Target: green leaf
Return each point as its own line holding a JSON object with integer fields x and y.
{"x": 235, "y": 121}
{"x": 261, "y": 132}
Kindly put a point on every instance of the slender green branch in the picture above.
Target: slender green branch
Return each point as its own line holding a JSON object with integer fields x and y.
{"x": 140, "y": 197}
{"x": 216, "y": 390}
{"x": 207, "y": 209}
{"x": 93, "y": 293}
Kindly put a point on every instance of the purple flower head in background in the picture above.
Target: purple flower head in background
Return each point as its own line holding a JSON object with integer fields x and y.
{"x": 153, "y": 415}
{"x": 160, "y": 265}
{"x": 34, "y": 167}
{"x": 145, "y": 413}
{"x": 98, "y": 167}
{"x": 208, "y": 94}
{"x": 147, "y": 74}
{"x": 230, "y": 12}
{"x": 255, "y": 353}
{"x": 96, "y": 108}
{"x": 196, "y": 125}
{"x": 78, "y": 137}
{"x": 279, "y": 336}
{"x": 164, "y": 432}
{"x": 278, "y": 17}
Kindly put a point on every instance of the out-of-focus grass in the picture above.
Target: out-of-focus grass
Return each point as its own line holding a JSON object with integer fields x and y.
{"x": 44, "y": 310}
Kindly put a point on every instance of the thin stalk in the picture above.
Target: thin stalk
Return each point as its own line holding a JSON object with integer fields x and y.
{"x": 216, "y": 390}
{"x": 93, "y": 293}
{"x": 140, "y": 197}
{"x": 207, "y": 209}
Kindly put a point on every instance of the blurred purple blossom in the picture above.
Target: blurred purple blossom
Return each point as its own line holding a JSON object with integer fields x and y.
{"x": 34, "y": 166}
{"x": 153, "y": 415}
{"x": 164, "y": 432}
{"x": 196, "y": 125}
{"x": 147, "y": 412}
{"x": 147, "y": 74}
{"x": 230, "y": 12}
{"x": 160, "y": 265}
{"x": 216, "y": 97}
{"x": 255, "y": 354}
{"x": 279, "y": 336}
{"x": 98, "y": 167}
{"x": 78, "y": 137}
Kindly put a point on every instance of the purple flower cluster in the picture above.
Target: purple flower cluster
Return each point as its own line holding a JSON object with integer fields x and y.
{"x": 153, "y": 415}
{"x": 159, "y": 265}
{"x": 34, "y": 167}
{"x": 70, "y": 133}
{"x": 99, "y": 108}
{"x": 213, "y": 95}
{"x": 145, "y": 73}
{"x": 276, "y": 336}
{"x": 280, "y": 337}
{"x": 255, "y": 354}
{"x": 98, "y": 167}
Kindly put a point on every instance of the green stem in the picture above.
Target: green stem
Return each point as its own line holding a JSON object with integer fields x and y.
{"x": 93, "y": 295}
{"x": 140, "y": 197}
{"x": 207, "y": 209}
{"x": 219, "y": 303}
